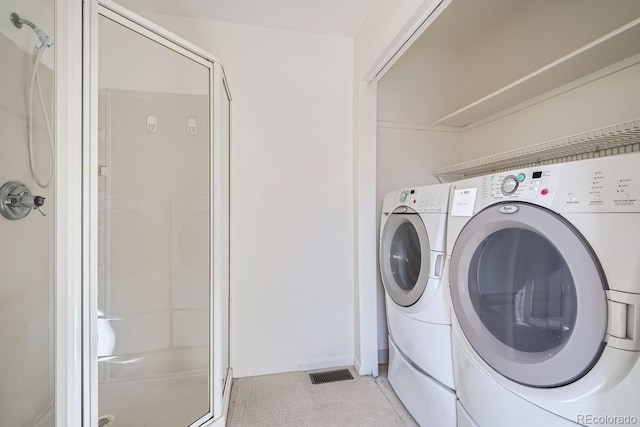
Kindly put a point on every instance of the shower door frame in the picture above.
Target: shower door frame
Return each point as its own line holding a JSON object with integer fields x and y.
{"x": 219, "y": 390}
{"x": 68, "y": 213}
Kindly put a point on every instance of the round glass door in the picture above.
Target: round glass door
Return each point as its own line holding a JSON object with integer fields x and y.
{"x": 529, "y": 294}
{"x": 404, "y": 257}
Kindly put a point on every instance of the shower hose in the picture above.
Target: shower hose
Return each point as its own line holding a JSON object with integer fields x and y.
{"x": 35, "y": 82}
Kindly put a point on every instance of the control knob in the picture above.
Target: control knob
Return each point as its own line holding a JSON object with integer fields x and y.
{"x": 509, "y": 185}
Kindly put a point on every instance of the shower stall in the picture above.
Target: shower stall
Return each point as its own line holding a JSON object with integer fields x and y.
{"x": 129, "y": 325}
{"x": 27, "y": 255}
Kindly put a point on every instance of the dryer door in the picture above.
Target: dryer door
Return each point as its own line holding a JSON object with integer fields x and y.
{"x": 529, "y": 294}
{"x": 404, "y": 257}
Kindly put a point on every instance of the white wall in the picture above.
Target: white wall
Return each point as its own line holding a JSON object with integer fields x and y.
{"x": 406, "y": 158}
{"x": 26, "y": 292}
{"x": 604, "y": 102}
{"x": 291, "y": 194}
{"x": 407, "y": 93}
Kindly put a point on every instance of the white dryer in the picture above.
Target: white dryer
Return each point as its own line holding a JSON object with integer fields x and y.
{"x": 412, "y": 244}
{"x": 545, "y": 285}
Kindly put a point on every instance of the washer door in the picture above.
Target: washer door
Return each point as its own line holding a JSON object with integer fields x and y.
{"x": 404, "y": 257}
{"x": 529, "y": 294}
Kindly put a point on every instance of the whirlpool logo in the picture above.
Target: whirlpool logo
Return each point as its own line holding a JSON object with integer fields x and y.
{"x": 508, "y": 209}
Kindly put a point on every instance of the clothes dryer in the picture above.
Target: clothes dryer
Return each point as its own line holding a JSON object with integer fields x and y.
{"x": 412, "y": 244}
{"x": 545, "y": 286}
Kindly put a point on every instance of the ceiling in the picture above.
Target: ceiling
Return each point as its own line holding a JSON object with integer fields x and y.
{"x": 333, "y": 17}
{"x": 471, "y": 19}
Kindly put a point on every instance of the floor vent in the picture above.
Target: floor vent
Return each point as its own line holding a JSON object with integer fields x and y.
{"x": 105, "y": 420}
{"x": 330, "y": 376}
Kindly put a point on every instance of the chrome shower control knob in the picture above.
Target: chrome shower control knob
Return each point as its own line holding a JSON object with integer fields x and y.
{"x": 16, "y": 201}
{"x": 509, "y": 185}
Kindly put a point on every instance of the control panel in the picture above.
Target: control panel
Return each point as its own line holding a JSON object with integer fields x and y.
{"x": 423, "y": 201}
{"x": 608, "y": 184}
{"x": 426, "y": 199}
{"x": 537, "y": 184}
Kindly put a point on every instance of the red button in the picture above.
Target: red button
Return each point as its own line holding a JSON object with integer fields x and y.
{"x": 414, "y": 201}
{"x": 544, "y": 191}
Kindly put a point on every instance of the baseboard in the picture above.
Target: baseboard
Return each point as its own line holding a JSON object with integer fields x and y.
{"x": 383, "y": 356}
{"x": 254, "y": 371}
{"x": 357, "y": 365}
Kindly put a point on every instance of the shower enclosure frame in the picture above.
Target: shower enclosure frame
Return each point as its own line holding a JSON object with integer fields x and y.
{"x": 82, "y": 387}
{"x": 68, "y": 213}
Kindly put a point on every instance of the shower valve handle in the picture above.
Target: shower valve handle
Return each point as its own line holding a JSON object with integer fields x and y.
{"x": 26, "y": 200}
{"x": 16, "y": 201}
{"x": 34, "y": 202}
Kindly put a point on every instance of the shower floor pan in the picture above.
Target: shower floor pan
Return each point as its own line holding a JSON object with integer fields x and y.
{"x": 158, "y": 402}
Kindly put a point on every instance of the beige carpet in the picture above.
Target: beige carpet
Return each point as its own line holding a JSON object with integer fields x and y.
{"x": 291, "y": 400}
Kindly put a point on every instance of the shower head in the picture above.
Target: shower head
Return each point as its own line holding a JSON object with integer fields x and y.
{"x": 42, "y": 36}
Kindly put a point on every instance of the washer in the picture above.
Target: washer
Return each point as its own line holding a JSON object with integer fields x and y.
{"x": 412, "y": 244}
{"x": 545, "y": 285}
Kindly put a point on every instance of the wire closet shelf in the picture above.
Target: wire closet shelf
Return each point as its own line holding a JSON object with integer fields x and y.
{"x": 611, "y": 140}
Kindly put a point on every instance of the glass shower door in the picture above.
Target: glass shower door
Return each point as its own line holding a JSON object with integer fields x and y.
{"x": 154, "y": 295}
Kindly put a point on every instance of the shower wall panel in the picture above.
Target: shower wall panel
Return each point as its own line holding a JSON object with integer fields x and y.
{"x": 26, "y": 297}
{"x": 156, "y": 249}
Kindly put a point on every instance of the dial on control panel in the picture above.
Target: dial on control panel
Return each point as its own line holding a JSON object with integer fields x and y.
{"x": 509, "y": 185}
{"x": 404, "y": 194}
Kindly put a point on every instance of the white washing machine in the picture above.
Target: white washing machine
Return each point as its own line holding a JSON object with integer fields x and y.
{"x": 412, "y": 257}
{"x": 545, "y": 285}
